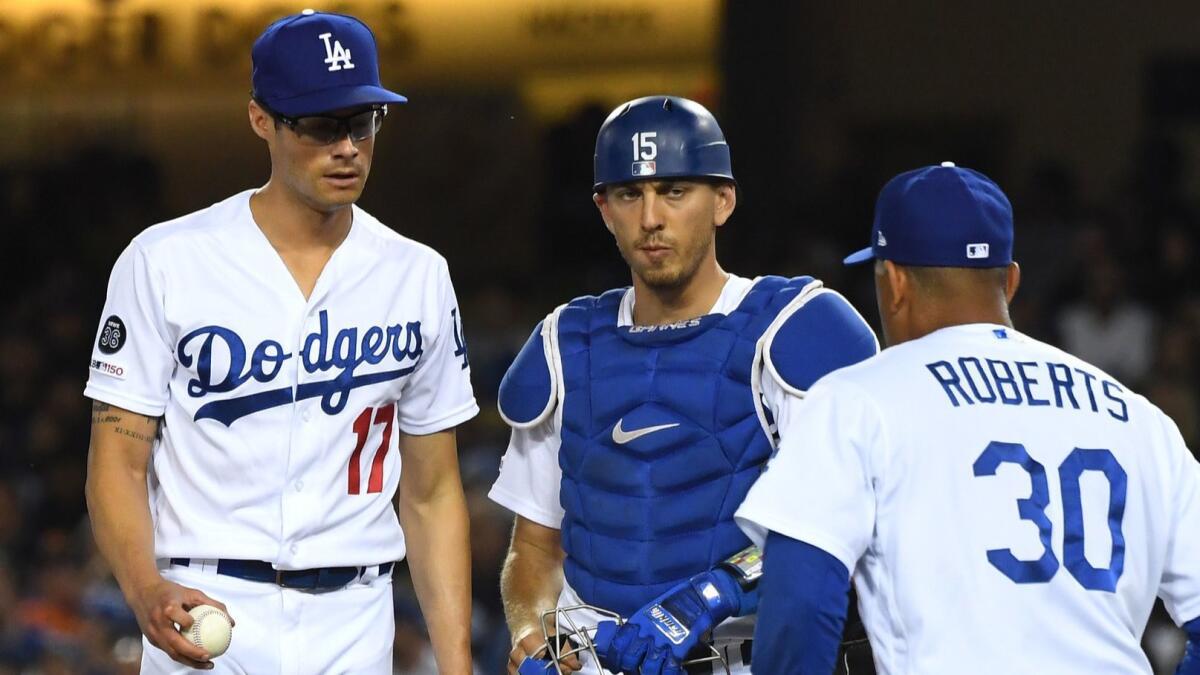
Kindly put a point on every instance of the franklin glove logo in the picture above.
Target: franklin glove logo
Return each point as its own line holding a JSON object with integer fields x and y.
{"x": 668, "y": 625}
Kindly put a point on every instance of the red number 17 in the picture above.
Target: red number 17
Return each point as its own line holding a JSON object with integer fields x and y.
{"x": 362, "y": 428}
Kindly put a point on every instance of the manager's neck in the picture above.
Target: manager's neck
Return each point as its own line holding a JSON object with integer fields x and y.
{"x": 993, "y": 312}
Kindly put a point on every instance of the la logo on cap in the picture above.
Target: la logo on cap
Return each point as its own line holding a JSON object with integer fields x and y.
{"x": 336, "y": 56}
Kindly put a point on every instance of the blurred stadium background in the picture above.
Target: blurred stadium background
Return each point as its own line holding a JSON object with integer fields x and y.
{"x": 122, "y": 113}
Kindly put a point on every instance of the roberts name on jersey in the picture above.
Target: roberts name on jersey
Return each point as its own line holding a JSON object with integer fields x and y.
{"x": 973, "y": 380}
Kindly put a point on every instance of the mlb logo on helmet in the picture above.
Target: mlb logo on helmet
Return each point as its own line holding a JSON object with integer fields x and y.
{"x": 644, "y": 168}
{"x": 317, "y": 62}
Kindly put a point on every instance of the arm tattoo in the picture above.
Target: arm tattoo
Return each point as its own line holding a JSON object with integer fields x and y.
{"x": 135, "y": 435}
{"x": 103, "y": 413}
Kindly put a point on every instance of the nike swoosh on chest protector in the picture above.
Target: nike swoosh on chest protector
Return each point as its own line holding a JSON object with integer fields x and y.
{"x": 621, "y": 437}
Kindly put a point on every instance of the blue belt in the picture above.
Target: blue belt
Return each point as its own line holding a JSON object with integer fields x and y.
{"x": 323, "y": 578}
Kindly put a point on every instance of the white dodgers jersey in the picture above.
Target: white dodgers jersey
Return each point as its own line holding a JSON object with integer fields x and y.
{"x": 1004, "y": 506}
{"x": 280, "y": 415}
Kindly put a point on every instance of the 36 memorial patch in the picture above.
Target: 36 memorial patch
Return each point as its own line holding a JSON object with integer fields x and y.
{"x": 112, "y": 336}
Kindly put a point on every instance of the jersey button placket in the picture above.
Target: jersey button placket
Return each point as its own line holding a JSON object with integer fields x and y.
{"x": 291, "y": 508}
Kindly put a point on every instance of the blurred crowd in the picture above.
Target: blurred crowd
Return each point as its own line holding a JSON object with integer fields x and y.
{"x": 1110, "y": 280}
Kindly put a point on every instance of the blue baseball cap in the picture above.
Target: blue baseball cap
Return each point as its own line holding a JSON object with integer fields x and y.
{"x": 315, "y": 62}
{"x": 941, "y": 216}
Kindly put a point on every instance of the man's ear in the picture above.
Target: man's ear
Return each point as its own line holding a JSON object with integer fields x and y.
{"x": 600, "y": 199}
{"x": 1012, "y": 282}
{"x": 726, "y": 202}
{"x": 899, "y": 286}
{"x": 261, "y": 121}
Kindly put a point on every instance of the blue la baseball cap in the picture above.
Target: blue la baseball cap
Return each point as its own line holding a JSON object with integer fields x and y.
{"x": 315, "y": 62}
{"x": 941, "y": 216}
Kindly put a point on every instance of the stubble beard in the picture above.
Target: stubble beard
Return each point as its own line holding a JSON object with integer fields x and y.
{"x": 670, "y": 277}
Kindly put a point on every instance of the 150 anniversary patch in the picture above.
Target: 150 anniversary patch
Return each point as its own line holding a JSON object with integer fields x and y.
{"x": 112, "y": 335}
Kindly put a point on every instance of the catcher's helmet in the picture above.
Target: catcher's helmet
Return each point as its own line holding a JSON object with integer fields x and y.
{"x": 660, "y": 137}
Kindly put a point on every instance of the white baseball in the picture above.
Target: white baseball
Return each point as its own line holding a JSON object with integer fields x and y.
{"x": 211, "y": 629}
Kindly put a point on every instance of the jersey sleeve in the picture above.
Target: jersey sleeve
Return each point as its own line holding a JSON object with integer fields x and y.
{"x": 438, "y": 395}
{"x": 530, "y": 477}
{"x": 819, "y": 486}
{"x": 132, "y": 359}
{"x": 1180, "y": 586}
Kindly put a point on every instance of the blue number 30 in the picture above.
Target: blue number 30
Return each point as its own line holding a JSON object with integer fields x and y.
{"x": 1034, "y": 509}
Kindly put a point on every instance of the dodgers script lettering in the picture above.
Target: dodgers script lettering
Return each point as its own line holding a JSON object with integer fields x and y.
{"x": 320, "y": 352}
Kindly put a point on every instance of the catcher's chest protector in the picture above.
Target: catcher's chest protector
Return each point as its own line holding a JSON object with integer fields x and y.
{"x": 661, "y": 439}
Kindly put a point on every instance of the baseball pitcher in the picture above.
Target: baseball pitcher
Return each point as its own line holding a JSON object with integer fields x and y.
{"x": 262, "y": 366}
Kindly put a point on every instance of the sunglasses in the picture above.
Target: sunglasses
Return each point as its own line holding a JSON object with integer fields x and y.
{"x": 326, "y": 129}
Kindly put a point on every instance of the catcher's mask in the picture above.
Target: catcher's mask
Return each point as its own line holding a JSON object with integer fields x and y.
{"x": 566, "y": 635}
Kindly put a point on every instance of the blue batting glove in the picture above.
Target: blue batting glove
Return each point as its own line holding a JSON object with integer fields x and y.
{"x": 660, "y": 662}
{"x": 662, "y": 634}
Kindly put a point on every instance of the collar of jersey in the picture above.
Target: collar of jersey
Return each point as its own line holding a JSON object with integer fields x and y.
{"x": 730, "y": 293}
